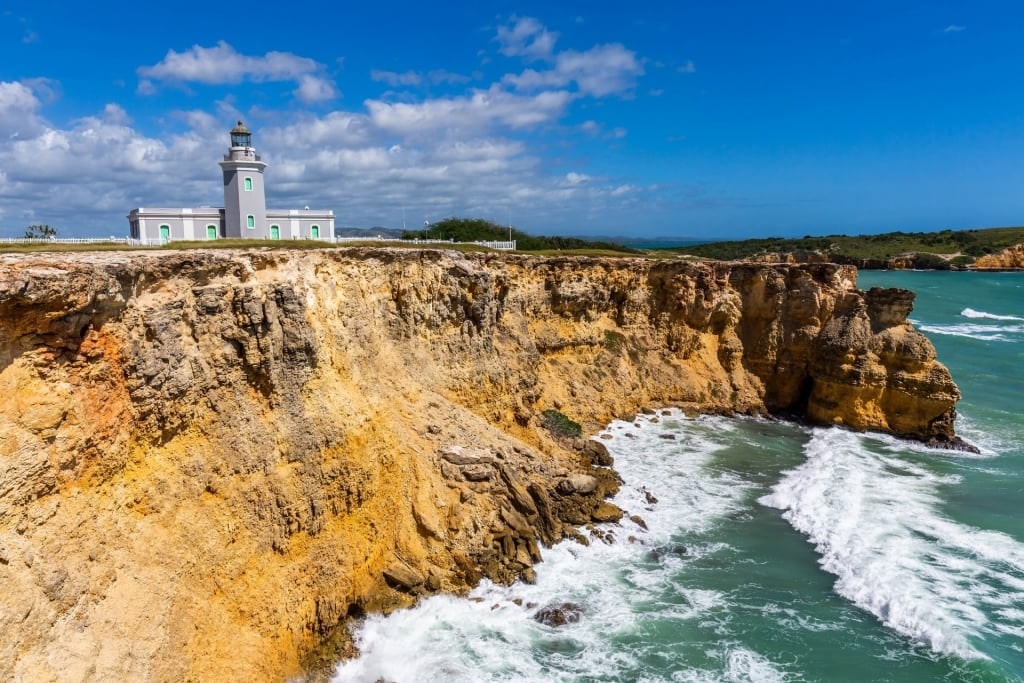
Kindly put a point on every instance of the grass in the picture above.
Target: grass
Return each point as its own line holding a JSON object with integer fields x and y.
{"x": 36, "y": 248}
{"x": 560, "y": 425}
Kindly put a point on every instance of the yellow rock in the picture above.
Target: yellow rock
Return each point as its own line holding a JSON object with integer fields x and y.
{"x": 209, "y": 459}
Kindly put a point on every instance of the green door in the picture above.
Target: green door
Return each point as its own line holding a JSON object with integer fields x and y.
{"x": 315, "y": 232}
{"x": 275, "y": 232}
{"x": 211, "y": 232}
{"x": 165, "y": 234}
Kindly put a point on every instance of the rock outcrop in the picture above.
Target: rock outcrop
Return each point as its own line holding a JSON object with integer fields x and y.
{"x": 1011, "y": 258}
{"x": 209, "y": 460}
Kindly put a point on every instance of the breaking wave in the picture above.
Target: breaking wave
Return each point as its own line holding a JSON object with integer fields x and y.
{"x": 875, "y": 518}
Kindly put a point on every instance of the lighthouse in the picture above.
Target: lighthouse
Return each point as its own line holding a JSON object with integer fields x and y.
{"x": 245, "y": 201}
{"x": 245, "y": 213}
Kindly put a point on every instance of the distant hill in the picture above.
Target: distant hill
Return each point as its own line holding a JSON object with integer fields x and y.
{"x": 940, "y": 250}
{"x": 369, "y": 233}
{"x": 478, "y": 229}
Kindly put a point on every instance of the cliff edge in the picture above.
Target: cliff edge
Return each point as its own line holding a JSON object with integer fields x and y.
{"x": 212, "y": 459}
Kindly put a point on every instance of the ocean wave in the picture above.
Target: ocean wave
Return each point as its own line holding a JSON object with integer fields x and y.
{"x": 875, "y": 521}
{"x": 622, "y": 588}
{"x": 971, "y": 313}
{"x": 1000, "y": 333}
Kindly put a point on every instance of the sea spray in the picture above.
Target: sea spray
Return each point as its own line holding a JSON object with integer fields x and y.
{"x": 627, "y": 589}
{"x": 720, "y": 587}
{"x": 875, "y": 517}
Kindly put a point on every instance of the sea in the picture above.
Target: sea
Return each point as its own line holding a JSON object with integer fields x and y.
{"x": 773, "y": 551}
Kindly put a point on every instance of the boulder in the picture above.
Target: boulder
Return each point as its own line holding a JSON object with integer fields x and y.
{"x": 559, "y": 615}
{"x": 598, "y": 454}
{"x": 401, "y": 577}
{"x": 606, "y": 512}
{"x": 577, "y": 483}
{"x": 464, "y": 455}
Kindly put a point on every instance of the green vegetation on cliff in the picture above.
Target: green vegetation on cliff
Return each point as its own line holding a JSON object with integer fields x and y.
{"x": 478, "y": 229}
{"x": 857, "y": 248}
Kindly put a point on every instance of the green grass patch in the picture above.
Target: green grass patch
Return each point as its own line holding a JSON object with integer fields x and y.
{"x": 614, "y": 341}
{"x": 560, "y": 425}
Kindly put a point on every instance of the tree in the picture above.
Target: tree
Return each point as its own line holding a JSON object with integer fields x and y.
{"x": 40, "y": 232}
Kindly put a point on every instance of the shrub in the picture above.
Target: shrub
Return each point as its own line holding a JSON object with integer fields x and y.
{"x": 613, "y": 341}
{"x": 560, "y": 425}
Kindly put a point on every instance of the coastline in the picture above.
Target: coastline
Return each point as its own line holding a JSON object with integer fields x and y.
{"x": 312, "y": 436}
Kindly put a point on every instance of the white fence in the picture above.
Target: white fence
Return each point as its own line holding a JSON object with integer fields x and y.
{"x": 157, "y": 242}
{"x": 65, "y": 240}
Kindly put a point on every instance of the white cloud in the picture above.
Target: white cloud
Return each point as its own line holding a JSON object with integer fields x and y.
{"x": 954, "y": 28}
{"x": 438, "y": 76}
{"x": 600, "y": 71}
{"x": 412, "y": 78}
{"x": 145, "y": 88}
{"x": 395, "y": 79}
{"x": 222, "y": 64}
{"x": 687, "y": 68}
{"x": 476, "y": 112}
{"x": 526, "y": 37}
{"x": 315, "y": 89}
{"x": 476, "y": 151}
{"x": 19, "y": 107}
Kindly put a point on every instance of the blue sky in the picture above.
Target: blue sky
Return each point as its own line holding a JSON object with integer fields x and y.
{"x": 685, "y": 119}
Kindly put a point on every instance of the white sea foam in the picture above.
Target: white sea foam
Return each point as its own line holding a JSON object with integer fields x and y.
{"x": 971, "y": 313}
{"x": 875, "y": 520}
{"x": 491, "y": 638}
{"x": 1000, "y": 333}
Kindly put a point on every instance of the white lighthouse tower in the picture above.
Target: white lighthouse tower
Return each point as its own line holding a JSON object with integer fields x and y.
{"x": 245, "y": 213}
{"x": 245, "y": 202}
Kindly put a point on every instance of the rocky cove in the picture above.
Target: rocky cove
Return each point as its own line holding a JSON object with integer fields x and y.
{"x": 213, "y": 459}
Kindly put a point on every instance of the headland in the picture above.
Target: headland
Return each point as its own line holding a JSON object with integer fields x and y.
{"x": 212, "y": 460}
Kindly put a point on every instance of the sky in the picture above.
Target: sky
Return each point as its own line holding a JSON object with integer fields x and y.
{"x": 639, "y": 119}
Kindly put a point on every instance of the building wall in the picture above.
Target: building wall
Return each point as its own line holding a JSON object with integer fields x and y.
{"x": 183, "y": 224}
{"x": 296, "y": 224}
{"x": 242, "y": 198}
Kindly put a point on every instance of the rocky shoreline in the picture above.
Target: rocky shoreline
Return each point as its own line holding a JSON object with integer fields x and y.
{"x": 213, "y": 460}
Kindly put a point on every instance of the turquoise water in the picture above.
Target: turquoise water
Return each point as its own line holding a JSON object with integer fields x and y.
{"x": 775, "y": 552}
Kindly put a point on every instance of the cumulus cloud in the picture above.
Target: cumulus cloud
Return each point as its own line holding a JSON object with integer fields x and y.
{"x": 600, "y": 71}
{"x": 526, "y": 37}
{"x": 315, "y": 89}
{"x": 688, "y": 68}
{"x": 476, "y": 151}
{"x": 475, "y": 112}
{"x": 19, "y": 107}
{"x": 222, "y": 64}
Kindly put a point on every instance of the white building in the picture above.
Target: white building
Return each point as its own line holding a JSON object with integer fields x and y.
{"x": 245, "y": 213}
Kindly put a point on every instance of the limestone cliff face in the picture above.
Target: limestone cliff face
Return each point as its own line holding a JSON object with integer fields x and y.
{"x": 1011, "y": 258}
{"x": 208, "y": 460}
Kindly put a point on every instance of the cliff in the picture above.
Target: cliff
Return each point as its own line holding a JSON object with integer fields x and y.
{"x": 210, "y": 460}
{"x": 1011, "y": 258}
